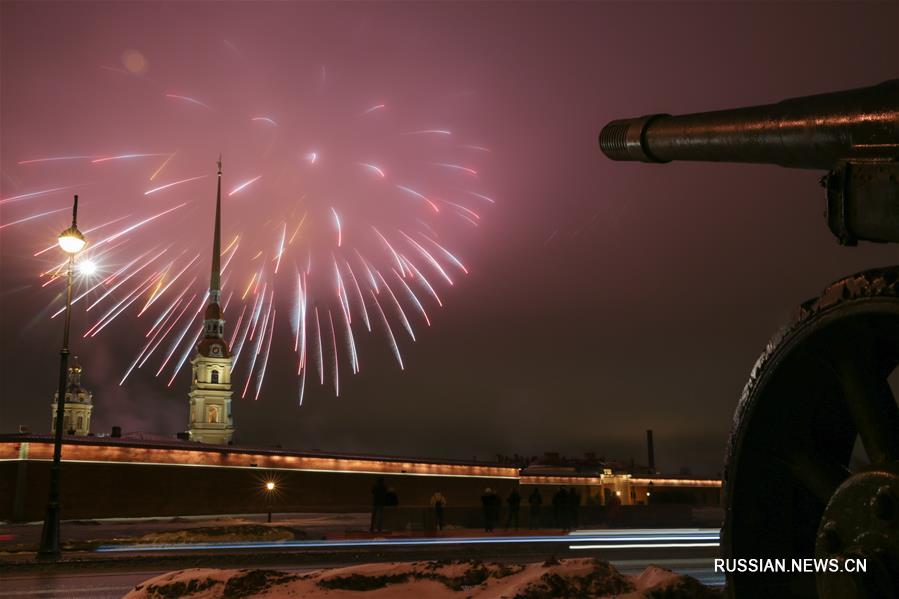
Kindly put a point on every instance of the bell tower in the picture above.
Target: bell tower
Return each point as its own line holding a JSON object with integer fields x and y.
{"x": 210, "y": 389}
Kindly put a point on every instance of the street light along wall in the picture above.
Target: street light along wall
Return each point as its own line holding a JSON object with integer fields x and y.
{"x": 71, "y": 241}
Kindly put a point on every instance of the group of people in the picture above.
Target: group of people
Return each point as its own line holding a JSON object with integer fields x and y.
{"x": 565, "y": 504}
{"x": 566, "y": 508}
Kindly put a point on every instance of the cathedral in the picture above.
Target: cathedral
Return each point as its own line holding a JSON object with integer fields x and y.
{"x": 211, "y": 420}
{"x": 78, "y": 406}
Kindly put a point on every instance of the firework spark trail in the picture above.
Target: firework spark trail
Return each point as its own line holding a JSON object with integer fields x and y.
{"x": 337, "y": 224}
{"x": 456, "y": 167}
{"x": 390, "y": 337}
{"x": 188, "y": 99}
{"x": 424, "y": 281}
{"x": 35, "y": 194}
{"x": 255, "y": 353}
{"x": 85, "y": 232}
{"x": 412, "y": 296}
{"x": 131, "y": 297}
{"x": 159, "y": 170}
{"x": 396, "y": 303}
{"x": 257, "y": 307}
{"x": 156, "y": 295}
{"x": 350, "y": 341}
{"x": 448, "y": 254}
{"x": 99, "y": 284}
{"x": 166, "y": 334}
{"x": 341, "y": 289}
{"x": 139, "y": 224}
{"x": 297, "y": 230}
{"x": 161, "y": 321}
{"x": 429, "y": 258}
{"x": 55, "y": 159}
{"x": 430, "y": 132}
{"x": 396, "y": 256}
{"x": 237, "y": 326}
{"x": 483, "y": 197}
{"x": 420, "y": 196}
{"x": 374, "y": 108}
{"x": 334, "y": 352}
{"x": 320, "y": 361}
{"x": 465, "y": 212}
{"x": 168, "y": 313}
{"x": 247, "y": 290}
{"x": 265, "y": 119}
{"x": 167, "y": 185}
{"x": 117, "y": 285}
{"x": 237, "y": 349}
{"x": 229, "y": 258}
{"x": 297, "y": 314}
{"x": 33, "y": 217}
{"x": 359, "y": 295}
{"x": 301, "y": 323}
{"x": 228, "y": 299}
{"x": 126, "y": 157}
{"x": 281, "y": 247}
{"x": 376, "y": 170}
{"x": 177, "y": 299}
{"x": 302, "y": 386}
{"x": 187, "y": 324}
{"x": 244, "y": 185}
{"x": 261, "y": 376}
{"x": 258, "y": 312}
{"x": 187, "y": 349}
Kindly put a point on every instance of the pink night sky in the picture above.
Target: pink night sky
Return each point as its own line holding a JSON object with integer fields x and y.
{"x": 425, "y": 252}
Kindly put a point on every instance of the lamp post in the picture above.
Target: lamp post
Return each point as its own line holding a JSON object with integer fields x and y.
{"x": 269, "y": 489}
{"x": 71, "y": 241}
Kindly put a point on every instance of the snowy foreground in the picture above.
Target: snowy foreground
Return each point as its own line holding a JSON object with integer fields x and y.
{"x": 438, "y": 579}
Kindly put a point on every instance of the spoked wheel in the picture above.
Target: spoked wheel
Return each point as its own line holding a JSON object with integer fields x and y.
{"x": 812, "y": 462}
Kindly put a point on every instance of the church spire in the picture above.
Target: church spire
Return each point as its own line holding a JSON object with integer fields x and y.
{"x": 215, "y": 286}
{"x": 214, "y": 324}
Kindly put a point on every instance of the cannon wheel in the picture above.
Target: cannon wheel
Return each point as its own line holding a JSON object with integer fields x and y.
{"x": 812, "y": 459}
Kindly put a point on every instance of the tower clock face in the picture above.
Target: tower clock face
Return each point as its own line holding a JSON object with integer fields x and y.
{"x": 216, "y": 350}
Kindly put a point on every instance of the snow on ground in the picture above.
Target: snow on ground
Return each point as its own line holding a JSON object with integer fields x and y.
{"x": 432, "y": 579}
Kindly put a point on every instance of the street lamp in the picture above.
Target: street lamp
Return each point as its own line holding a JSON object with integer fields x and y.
{"x": 269, "y": 489}
{"x": 71, "y": 241}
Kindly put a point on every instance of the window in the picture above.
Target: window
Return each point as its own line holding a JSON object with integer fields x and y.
{"x": 215, "y": 376}
{"x": 212, "y": 414}
{"x": 80, "y": 422}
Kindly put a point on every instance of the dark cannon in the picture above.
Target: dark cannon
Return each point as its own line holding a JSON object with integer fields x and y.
{"x": 812, "y": 467}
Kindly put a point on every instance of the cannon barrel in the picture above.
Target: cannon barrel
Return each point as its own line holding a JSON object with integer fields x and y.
{"x": 813, "y": 132}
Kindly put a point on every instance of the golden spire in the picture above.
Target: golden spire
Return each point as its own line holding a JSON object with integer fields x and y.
{"x": 215, "y": 287}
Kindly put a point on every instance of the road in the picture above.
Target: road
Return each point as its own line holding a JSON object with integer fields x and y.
{"x": 114, "y": 569}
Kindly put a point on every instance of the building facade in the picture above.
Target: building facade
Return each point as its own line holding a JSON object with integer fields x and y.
{"x": 211, "y": 420}
{"x": 78, "y": 407}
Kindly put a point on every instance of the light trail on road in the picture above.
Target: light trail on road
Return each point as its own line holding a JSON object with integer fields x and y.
{"x": 610, "y": 539}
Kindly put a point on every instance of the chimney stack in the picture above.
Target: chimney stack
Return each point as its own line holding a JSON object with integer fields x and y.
{"x": 651, "y": 454}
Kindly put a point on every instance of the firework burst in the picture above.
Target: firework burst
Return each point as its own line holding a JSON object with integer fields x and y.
{"x": 339, "y": 212}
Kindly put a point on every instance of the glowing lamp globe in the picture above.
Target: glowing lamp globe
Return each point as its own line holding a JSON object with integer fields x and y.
{"x": 71, "y": 240}
{"x": 87, "y": 268}
{"x": 269, "y": 486}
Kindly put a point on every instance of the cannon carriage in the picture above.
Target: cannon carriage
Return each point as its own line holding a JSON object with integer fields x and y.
{"x": 819, "y": 395}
